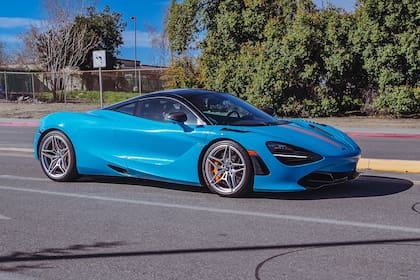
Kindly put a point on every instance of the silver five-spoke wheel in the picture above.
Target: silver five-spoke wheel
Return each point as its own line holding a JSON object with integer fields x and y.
{"x": 226, "y": 169}
{"x": 57, "y": 156}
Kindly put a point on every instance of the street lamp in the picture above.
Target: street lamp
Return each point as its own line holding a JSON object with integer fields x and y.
{"x": 135, "y": 53}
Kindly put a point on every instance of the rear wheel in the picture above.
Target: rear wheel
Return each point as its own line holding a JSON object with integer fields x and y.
{"x": 57, "y": 156}
{"x": 226, "y": 169}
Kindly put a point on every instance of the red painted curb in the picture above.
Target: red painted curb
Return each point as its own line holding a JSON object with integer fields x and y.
{"x": 383, "y": 135}
{"x": 19, "y": 124}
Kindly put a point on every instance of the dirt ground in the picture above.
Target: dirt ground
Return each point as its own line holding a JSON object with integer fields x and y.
{"x": 37, "y": 110}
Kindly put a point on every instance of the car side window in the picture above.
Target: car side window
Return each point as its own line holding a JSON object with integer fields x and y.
{"x": 158, "y": 109}
{"x": 127, "y": 109}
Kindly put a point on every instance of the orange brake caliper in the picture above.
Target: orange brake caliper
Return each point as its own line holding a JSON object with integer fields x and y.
{"x": 215, "y": 171}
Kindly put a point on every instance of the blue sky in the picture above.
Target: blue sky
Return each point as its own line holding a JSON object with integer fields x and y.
{"x": 17, "y": 16}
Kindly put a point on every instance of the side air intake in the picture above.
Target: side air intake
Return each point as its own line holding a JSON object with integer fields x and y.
{"x": 118, "y": 169}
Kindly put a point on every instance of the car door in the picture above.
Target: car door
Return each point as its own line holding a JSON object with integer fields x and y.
{"x": 155, "y": 148}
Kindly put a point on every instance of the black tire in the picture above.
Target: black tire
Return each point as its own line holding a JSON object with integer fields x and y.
{"x": 226, "y": 169}
{"x": 57, "y": 157}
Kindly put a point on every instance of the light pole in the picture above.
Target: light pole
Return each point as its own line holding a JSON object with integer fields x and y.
{"x": 135, "y": 54}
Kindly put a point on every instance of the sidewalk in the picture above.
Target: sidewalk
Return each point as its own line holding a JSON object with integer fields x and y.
{"x": 375, "y": 127}
{"x": 354, "y": 127}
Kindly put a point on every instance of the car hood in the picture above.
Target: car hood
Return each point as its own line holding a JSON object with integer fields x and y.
{"x": 318, "y": 138}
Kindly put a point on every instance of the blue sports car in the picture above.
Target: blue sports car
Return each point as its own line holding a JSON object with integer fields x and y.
{"x": 195, "y": 137}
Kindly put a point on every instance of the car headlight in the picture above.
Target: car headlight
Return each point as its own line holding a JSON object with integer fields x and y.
{"x": 291, "y": 155}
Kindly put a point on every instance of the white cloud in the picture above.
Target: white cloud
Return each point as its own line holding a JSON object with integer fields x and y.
{"x": 17, "y": 22}
{"x": 143, "y": 39}
{"x": 10, "y": 39}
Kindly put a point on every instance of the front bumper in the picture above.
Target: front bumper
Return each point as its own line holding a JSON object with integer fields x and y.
{"x": 328, "y": 171}
{"x": 319, "y": 179}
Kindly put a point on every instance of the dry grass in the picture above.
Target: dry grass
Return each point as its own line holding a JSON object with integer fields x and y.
{"x": 37, "y": 110}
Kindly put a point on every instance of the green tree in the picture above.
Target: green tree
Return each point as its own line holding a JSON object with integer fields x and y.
{"x": 233, "y": 56}
{"x": 343, "y": 73}
{"x": 297, "y": 58}
{"x": 108, "y": 27}
{"x": 181, "y": 25}
{"x": 388, "y": 38}
{"x": 236, "y": 42}
{"x": 183, "y": 72}
{"x": 181, "y": 30}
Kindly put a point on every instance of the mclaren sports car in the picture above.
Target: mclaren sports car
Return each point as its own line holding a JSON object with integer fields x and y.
{"x": 198, "y": 138}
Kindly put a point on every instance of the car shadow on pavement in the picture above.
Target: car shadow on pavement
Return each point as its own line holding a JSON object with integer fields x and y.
{"x": 51, "y": 254}
{"x": 142, "y": 182}
{"x": 364, "y": 186}
{"x": 22, "y": 261}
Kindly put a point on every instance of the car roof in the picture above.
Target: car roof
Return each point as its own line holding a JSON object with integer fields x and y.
{"x": 183, "y": 91}
{"x": 165, "y": 93}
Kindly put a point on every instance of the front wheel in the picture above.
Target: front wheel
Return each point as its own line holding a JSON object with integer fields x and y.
{"x": 57, "y": 157}
{"x": 226, "y": 169}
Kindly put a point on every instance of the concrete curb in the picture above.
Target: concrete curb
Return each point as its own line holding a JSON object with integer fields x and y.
{"x": 390, "y": 165}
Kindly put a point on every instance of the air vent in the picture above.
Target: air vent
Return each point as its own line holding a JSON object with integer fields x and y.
{"x": 118, "y": 169}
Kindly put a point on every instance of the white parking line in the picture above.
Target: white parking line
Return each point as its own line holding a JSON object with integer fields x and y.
{"x": 24, "y": 155}
{"x": 16, "y": 152}
{"x": 4, "y": 217}
{"x": 13, "y": 177}
{"x": 223, "y": 211}
{"x": 14, "y": 276}
{"x": 13, "y": 149}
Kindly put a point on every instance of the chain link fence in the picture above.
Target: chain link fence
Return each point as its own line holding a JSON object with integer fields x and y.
{"x": 26, "y": 85}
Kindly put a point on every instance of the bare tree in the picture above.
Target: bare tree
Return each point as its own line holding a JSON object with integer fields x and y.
{"x": 61, "y": 50}
{"x": 64, "y": 11}
{"x": 159, "y": 42}
{"x": 59, "y": 44}
{"x": 29, "y": 52}
{"x": 3, "y": 55}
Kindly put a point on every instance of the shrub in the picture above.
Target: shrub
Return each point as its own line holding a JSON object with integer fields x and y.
{"x": 324, "y": 106}
{"x": 349, "y": 103}
{"x": 398, "y": 101}
{"x": 293, "y": 108}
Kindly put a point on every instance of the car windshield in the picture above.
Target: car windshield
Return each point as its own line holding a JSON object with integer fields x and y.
{"x": 226, "y": 109}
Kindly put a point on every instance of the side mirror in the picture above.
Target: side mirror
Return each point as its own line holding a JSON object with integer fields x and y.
{"x": 178, "y": 117}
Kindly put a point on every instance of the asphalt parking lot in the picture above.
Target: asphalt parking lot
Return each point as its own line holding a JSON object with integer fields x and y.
{"x": 109, "y": 228}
